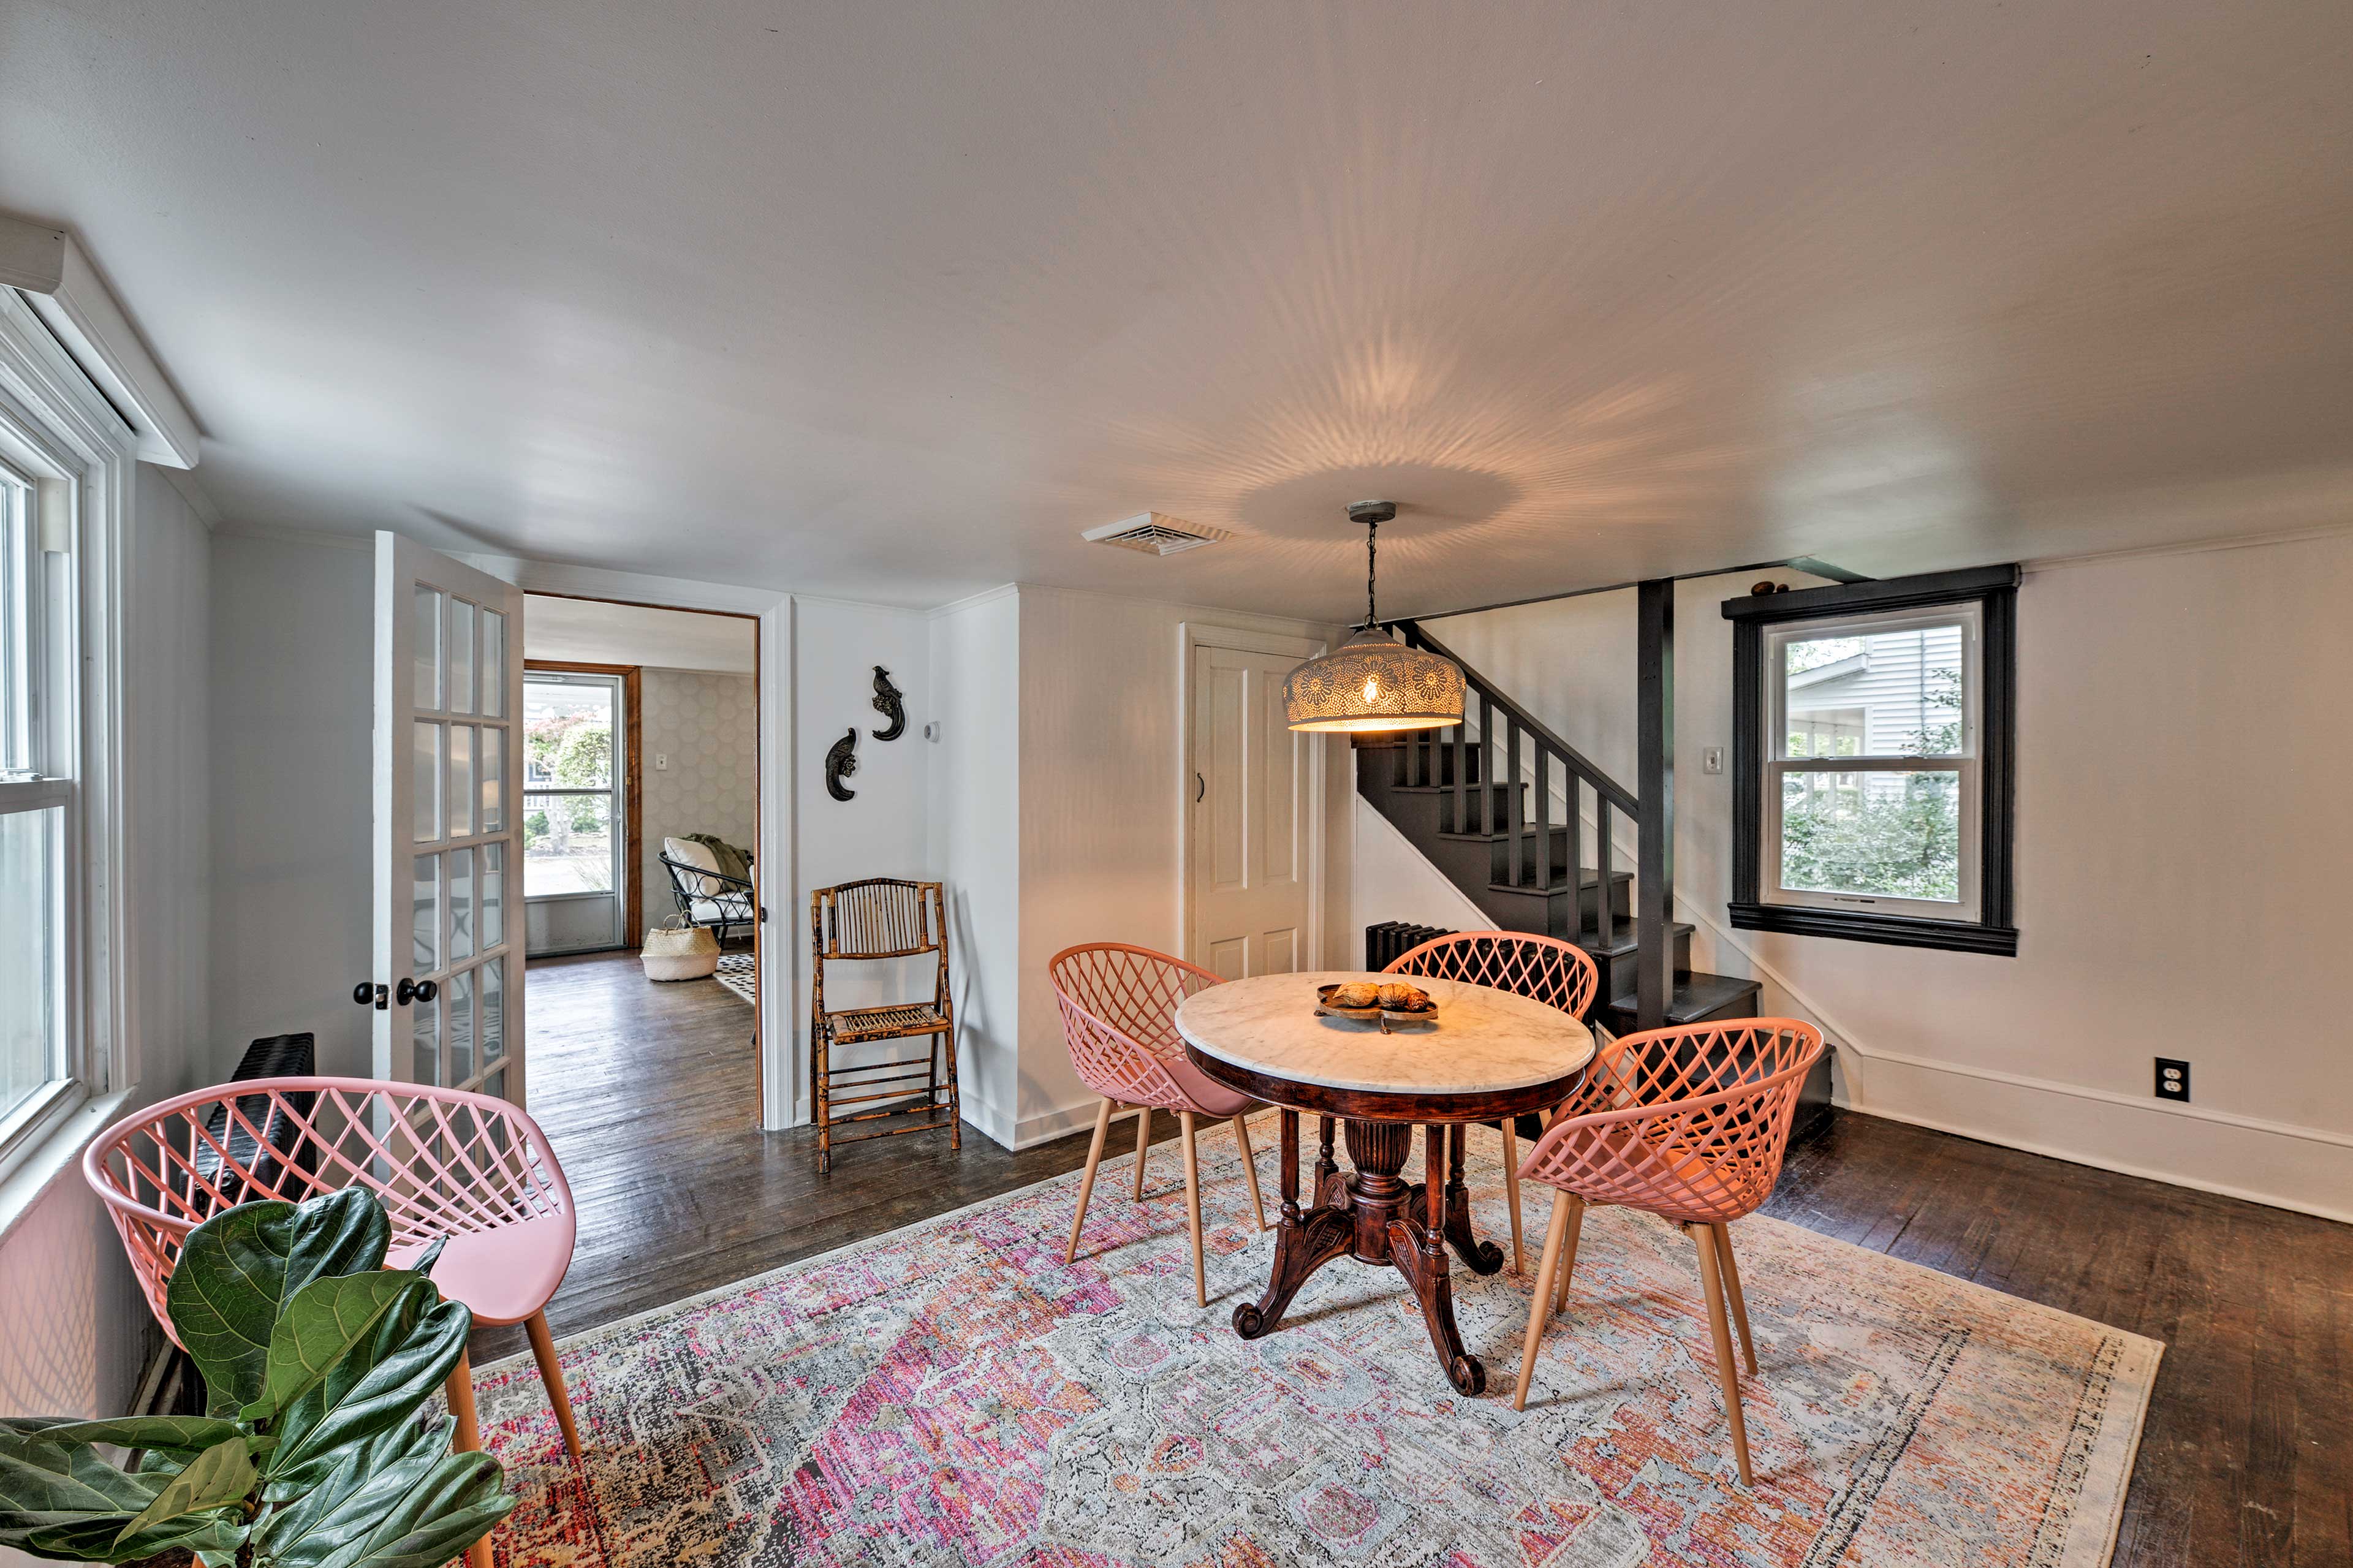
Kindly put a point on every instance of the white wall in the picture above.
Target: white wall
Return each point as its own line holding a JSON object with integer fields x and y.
{"x": 974, "y": 808}
{"x": 2182, "y": 850}
{"x": 293, "y": 699}
{"x": 705, "y": 726}
{"x": 77, "y": 1333}
{"x": 1395, "y": 881}
{"x": 882, "y": 831}
{"x": 1102, "y": 798}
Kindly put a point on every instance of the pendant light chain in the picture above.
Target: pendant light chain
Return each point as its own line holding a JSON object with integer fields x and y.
{"x": 1372, "y": 615}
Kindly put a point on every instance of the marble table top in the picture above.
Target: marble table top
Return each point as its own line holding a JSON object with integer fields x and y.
{"x": 1479, "y": 1040}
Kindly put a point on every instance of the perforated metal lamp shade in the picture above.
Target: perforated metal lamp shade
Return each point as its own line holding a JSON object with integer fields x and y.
{"x": 1372, "y": 683}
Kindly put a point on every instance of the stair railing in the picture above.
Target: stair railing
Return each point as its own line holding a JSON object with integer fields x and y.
{"x": 1431, "y": 755}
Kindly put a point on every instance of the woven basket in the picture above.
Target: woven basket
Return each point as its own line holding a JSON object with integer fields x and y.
{"x": 679, "y": 952}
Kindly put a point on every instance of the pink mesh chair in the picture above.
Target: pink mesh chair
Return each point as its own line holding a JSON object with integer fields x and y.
{"x": 1119, "y": 1020}
{"x": 1688, "y": 1124}
{"x": 1556, "y": 974}
{"x": 468, "y": 1167}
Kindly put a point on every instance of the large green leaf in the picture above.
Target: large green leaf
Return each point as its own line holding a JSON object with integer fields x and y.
{"x": 217, "y": 1534}
{"x": 240, "y": 1268}
{"x": 216, "y": 1478}
{"x": 186, "y": 1435}
{"x": 61, "y": 1500}
{"x": 39, "y": 1475}
{"x": 401, "y": 1357}
{"x": 325, "y": 1511}
{"x": 323, "y": 1323}
{"x": 418, "y": 1513}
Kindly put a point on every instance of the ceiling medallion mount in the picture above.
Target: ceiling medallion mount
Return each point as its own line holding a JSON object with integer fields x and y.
{"x": 1371, "y": 682}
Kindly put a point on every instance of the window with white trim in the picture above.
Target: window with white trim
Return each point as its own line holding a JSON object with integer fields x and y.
{"x": 1871, "y": 778}
{"x": 37, "y": 767}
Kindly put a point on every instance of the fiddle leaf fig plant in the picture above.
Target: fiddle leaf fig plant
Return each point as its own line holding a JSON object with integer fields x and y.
{"x": 316, "y": 1361}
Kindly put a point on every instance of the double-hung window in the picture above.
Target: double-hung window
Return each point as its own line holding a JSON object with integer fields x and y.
{"x": 37, "y": 910}
{"x": 1873, "y": 745}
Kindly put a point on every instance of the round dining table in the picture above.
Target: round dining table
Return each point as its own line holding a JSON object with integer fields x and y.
{"x": 1481, "y": 1056}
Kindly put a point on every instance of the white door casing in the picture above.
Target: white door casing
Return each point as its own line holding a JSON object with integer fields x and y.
{"x": 447, "y": 830}
{"x": 1254, "y": 810}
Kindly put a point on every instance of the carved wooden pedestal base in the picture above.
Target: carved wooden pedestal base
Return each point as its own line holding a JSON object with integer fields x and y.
{"x": 1376, "y": 1218}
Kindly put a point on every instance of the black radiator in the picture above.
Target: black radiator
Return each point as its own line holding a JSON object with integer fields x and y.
{"x": 1391, "y": 940}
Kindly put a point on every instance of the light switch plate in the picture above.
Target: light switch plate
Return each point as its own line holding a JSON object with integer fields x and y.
{"x": 1710, "y": 761}
{"x": 661, "y": 762}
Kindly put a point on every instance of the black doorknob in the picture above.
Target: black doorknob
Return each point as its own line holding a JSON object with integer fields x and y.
{"x": 412, "y": 991}
{"x": 368, "y": 994}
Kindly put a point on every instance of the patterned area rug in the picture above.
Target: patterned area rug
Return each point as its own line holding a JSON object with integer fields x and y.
{"x": 953, "y": 1394}
{"x": 735, "y": 972}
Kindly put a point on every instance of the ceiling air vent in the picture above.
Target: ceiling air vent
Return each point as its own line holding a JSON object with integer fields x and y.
{"x": 1155, "y": 533}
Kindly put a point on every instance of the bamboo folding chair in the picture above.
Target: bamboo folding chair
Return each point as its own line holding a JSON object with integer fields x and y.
{"x": 881, "y": 918}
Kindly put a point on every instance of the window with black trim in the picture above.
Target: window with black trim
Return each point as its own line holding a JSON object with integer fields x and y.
{"x": 1873, "y": 753}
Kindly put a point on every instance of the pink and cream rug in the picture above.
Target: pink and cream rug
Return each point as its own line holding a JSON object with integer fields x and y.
{"x": 953, "y": 1394}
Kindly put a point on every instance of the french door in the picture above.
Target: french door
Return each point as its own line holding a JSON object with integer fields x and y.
{"x": 448, "y": 986}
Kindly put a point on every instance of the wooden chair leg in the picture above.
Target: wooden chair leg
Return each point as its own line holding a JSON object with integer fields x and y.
{"x": 551, "y": 1372}
{"x": 1569, "y": 1257}
{"x": 1541, "y": 1297}
{"x": 1512, "y": 1197}
{"x": 1143, "y": 1141}
{"x": 1193, "y": 1206}
{"x": 468, "y": 1438}
{"x": 1087, "y": 1181}
{"x": 1711, "y": 1282}
{"x": 1249, "y": 1168}
{"x": 1732, "y": 1288}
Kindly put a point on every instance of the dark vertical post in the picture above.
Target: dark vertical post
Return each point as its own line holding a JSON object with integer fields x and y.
{"x": 1486, "y": 767}
{"x": 1654, "y": 740}
{"x": 1573, "y": 852}
{"x": 1512, "y": 788}
{"x": 1544, "y": 827}
{"x": 1462, "y": 766}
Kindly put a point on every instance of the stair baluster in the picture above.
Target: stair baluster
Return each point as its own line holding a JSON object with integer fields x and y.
{"x": 1544, "y": 822}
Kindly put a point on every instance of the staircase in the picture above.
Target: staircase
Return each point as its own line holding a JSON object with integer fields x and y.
{"x": 1477, "y": 799}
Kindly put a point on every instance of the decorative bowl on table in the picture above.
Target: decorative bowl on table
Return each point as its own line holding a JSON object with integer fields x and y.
{"x": 1382, "y": 1003}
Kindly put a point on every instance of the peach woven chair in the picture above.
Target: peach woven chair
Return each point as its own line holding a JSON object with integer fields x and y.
{"x": 1688, "y": 1124}
{"x": 1119, "y": 1020}
{"x": 444, "y": 1163}
{"x": 1556, "y": 974}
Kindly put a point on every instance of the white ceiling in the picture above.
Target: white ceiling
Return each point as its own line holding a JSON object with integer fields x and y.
{"x": 891, "y": 301}
{"x": 591, "y": 631}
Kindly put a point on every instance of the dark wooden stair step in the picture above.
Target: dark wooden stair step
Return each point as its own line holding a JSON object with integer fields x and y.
{"x": 1697, "y": 997}
{"x": 1560, "y": 883}
{"x": 1623, "y": 944}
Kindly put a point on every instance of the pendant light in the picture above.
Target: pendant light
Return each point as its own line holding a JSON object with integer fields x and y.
{"x": 1373, "y": 682}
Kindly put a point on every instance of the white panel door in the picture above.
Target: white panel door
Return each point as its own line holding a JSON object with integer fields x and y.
{"x": 448, "y": 835}
{"x": 1251, "y": 817}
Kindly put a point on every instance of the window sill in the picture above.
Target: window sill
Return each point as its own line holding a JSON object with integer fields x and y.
{"x": 55, "y": 1155}
{"x": 1893, "y": 931}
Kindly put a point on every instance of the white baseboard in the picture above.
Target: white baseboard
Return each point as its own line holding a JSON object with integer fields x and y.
{"x": 2240, "y": 1158}
{"x": 1059, "y": 1122}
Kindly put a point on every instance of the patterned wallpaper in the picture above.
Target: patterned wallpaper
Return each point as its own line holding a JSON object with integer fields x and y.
{"x": 705, "y": 725}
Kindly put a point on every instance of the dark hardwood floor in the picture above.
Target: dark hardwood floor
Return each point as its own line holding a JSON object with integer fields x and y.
{"x": 2247, "y": 1458}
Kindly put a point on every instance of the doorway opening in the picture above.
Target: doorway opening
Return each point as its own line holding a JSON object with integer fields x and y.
{"x": 640, "y": 802}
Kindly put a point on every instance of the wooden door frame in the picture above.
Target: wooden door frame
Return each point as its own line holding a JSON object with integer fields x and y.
{"x": 760, "y": 1084}
{"x": 1193, "y": 635}
{"x": 633, "y": 902}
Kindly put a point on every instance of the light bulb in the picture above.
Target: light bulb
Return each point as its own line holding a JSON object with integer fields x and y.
{"x": 1372, "y": 691}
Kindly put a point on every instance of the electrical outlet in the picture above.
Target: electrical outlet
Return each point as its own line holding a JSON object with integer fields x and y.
{"x": 1710, "y": 761}
{"x": 2172, "y": 1079}
{"x": 661, "y": 763}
